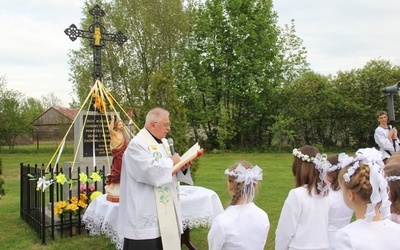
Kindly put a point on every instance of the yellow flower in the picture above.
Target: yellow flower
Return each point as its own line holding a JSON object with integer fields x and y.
{"x": 74, "y": 200}
{"x": 60, "y": 178}
{"x": 72, "y": 206}
{"x": 62, "y": 204}
{"x": 83, "y": 197}
{"x": 63, "y": 208}
{"x": 82, "y": 204}
{"x": 58, "y": 209}
{"x": 83, "y": 177}
{"x": 95, "y": 176}
{"x": 95, "y": 194}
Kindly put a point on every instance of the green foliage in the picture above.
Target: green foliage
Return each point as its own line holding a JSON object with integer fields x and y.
{"x": 225, "y": 129}
{"x": 16, "y": 114}
{"x": 320, "y": 147}
{"x": 361, "y": 90}
{"x": 14, "y": 117}
{"x": 10, "y": 114}
{"x": 282, "y": 132}
{"x": 42, "y": 149}
{"x": 235, "y": 59}
{"x": 304, "y": 103}
{"x": 292, "y": 53}
{"x": 340, "y": 111}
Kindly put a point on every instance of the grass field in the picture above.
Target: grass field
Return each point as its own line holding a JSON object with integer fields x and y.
{"x": 273, "y": 189}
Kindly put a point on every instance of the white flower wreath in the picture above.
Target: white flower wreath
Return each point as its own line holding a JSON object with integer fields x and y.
{"x": 302, "y": 156}
{"x": 393, "y": 178}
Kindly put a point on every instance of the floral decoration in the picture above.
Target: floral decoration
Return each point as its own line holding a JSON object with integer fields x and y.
{"x": 84, "y": 187}
{"x": 60, "y": 178}
{"x": 87, "y": 185}
{"x": 95, "y": 176}
{"x": 100, "y": 104}
{"x": 393, "y": 178}
{"x": 164, "y": 197}
{"x": 350, "y": 171}
{"x": 302, "y": 156}
{"x": 83, "y": 177}
{"x": 66, "y": 208}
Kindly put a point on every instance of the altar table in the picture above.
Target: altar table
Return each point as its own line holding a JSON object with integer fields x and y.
{"x": 199, "y": 207}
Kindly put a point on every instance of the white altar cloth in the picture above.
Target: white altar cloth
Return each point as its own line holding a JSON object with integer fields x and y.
{"x": 199, "y": 207}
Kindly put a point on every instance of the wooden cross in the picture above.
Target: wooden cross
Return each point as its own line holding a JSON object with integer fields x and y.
{"x": 97, "y": 34}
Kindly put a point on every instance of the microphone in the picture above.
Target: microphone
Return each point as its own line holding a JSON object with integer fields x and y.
{"x": 171, "y": 145}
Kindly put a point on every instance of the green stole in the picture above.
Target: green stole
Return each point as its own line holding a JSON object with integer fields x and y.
{"x": 166, "y": 209}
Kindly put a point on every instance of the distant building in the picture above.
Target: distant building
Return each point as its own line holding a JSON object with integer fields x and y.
{"x": 53, "y": 124}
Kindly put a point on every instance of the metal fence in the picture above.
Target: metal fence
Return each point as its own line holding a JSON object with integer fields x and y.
{"x": 37, "y": 206}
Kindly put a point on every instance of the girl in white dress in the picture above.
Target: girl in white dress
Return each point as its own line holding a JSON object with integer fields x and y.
{"x": 303, "y": 223}
{"x": 365, "y": 191}
{"x": 392, "y": 173}
{"x": 339, "y": 213}
{"x": 243, "y": 225}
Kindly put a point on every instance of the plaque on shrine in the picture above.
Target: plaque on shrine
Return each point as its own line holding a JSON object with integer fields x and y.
{"x": 95, "y": 136}
{"x": 91, "y": 136}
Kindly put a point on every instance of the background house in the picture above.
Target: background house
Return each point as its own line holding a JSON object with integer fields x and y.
{"x": 53, "y": 124}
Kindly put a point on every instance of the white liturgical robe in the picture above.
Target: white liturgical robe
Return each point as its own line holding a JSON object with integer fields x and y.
{"x": 140, "y": 173}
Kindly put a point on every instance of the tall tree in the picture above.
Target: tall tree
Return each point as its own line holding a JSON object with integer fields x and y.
{"x": 305, "y": 101}
{"x": 233, "y": 64}
{"x": 292, "y": 53}
{"x": 16, "y": 114}
{"x": 11, "y": 121}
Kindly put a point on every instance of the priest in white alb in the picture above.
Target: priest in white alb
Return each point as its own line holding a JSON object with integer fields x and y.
{"x": 149, "y": 210}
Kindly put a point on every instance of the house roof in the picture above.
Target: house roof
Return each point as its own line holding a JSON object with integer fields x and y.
{"x": 70, "y": 113}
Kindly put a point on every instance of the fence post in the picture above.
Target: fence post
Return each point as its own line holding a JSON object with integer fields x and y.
{"x": 21, "y": 188}
{"x": 43, "y": 212}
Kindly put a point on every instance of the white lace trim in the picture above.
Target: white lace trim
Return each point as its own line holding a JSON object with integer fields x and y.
{"x": 96, "y": 226}
{"x": 191, "y": 223}
{"x": 94, "y": 223}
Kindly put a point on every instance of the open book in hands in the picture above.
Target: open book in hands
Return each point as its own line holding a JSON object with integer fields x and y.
{"x": 194, "y": 152}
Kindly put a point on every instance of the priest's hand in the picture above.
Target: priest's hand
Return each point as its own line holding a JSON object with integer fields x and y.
{"x": 175, "y": 158}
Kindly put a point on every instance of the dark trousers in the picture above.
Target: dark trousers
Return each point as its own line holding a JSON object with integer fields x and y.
{"x": 151, "y": 244}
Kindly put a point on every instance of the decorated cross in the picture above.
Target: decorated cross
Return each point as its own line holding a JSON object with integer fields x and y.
{"x": 97, "y": 33}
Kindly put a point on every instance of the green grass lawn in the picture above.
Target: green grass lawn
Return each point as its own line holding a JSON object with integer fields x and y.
{"x": 273, "y": 189}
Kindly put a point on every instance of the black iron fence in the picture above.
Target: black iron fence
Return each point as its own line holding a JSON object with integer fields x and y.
{"x": 37, "y": 206}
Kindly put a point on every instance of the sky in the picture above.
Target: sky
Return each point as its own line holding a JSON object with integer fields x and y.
{"x": 339, "y": 35}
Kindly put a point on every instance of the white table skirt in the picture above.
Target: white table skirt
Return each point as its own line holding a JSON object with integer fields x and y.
{"x": 199, "y": 207}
